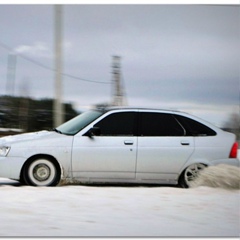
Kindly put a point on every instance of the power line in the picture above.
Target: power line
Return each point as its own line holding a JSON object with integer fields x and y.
{"x": 3, "y": 45}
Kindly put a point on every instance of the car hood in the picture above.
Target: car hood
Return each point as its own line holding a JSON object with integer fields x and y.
{"x": 32, "y": 138}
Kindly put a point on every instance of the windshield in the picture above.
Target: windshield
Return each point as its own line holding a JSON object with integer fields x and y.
{"x": 76, "y": 124}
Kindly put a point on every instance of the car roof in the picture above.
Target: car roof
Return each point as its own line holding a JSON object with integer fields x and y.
{"x": 111, "y": 108}
{"x": 106, "y": 109}
{"x": 173, "y": 111}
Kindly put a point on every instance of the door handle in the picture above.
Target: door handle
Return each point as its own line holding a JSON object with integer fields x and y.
{"x": 128, "y": 142}
{"x": 185, "y": 143}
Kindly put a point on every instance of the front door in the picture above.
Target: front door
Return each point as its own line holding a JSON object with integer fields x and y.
{"x": 109, "y": 155}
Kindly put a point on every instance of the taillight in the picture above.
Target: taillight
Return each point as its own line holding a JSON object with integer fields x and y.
{"x": 234, "y": 150}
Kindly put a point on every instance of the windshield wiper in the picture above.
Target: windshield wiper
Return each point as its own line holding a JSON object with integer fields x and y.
{"x": 56, "y": 130}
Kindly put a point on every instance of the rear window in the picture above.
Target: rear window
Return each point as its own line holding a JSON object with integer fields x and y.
{"x": 159, "y": 125}
{"x": 194, "y": 128}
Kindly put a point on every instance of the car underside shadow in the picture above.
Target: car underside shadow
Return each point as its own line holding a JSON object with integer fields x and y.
{"x": 9, "y": 182}
{"x": 120, "y": 185}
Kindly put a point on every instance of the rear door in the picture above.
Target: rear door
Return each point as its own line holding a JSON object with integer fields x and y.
{"x": 163, "y": 146}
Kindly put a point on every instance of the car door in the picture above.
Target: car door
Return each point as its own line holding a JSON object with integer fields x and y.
{"x": 111, "y": 154}
{"x": 163, "y": 146}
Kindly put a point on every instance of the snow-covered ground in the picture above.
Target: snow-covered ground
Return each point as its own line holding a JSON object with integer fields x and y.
{"x": 118, "y": 211}
{"x": 92, "y": 211}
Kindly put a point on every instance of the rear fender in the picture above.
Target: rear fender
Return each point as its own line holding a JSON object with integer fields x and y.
{"x": 229, "y": 161}
{"x": 187, "y": 164}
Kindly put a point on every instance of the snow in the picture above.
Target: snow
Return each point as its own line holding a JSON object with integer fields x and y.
{"x": 119, "y": 211}
{"x": 104, "y": 211}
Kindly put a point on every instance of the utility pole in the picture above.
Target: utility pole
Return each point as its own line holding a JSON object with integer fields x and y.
{"x": 11, "y": 72}
{"x": 118, "y": 90}
{"x": 58, "y": 107}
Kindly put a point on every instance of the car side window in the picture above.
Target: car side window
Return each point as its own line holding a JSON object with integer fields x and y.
{"x": 117, "y": 124}
{"x": 194, "y": 128}
{"x": 159, "y": 124}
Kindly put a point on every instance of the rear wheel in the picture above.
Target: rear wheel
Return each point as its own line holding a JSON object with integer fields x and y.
{"x": 190, "y": 174}
{"x": 41, "y": 172}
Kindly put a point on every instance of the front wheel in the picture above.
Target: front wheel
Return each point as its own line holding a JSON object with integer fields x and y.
{"x": 41, "y": 172}
{"x": 190, "y": 174}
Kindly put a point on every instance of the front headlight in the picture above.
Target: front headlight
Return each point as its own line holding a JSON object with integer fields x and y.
{"x": 4, "y": 150}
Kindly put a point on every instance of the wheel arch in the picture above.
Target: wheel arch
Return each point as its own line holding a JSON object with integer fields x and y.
{"x": 188, "y": 163}
{"x": 181, "y": 174}
{"x": 37, "y": 156}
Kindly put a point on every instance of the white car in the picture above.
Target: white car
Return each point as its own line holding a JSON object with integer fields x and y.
{"x": 118, "y": 145}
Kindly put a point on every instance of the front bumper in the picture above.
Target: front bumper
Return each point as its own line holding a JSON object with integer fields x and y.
{"x": 10, "y": 167}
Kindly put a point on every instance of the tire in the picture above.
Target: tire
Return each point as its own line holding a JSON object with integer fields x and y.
{"x": 190, "y": 174}
{"x": 41, "y": 172}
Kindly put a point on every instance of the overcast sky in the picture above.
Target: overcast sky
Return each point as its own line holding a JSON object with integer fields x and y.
{"x": 184, "y": 57}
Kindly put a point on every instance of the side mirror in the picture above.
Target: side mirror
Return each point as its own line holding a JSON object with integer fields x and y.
{"x": 94, "y": 131}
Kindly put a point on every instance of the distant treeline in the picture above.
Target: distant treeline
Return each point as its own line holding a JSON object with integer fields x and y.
{"x": 30, "y": 114}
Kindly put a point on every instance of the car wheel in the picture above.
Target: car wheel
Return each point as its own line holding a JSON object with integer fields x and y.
{"x": 190, "y": 174}
{"x": 41, "y": 172}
